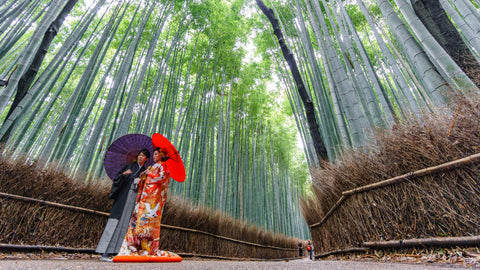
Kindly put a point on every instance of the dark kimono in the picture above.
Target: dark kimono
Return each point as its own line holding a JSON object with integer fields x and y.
{"x": 124, "y": 194}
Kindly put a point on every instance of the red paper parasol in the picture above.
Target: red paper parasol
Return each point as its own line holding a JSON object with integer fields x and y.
{"x": 124, "y": 150}
{"x": 174, "y": 163}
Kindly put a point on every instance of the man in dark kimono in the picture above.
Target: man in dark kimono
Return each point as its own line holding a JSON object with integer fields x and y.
{"x": 124, "y": 193}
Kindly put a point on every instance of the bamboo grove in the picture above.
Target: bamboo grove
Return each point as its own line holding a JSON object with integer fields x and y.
{"x": 179, "y": 68}
{"x": 370, "y": 64}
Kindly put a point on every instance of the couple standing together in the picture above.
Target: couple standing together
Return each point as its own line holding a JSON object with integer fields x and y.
{"x": 139, "y": 195}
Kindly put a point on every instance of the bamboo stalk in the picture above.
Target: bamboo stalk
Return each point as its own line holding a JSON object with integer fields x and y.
{"x": 223, "y": 237}
{"x": 337, "y": 204}
{"x": 59, "y": 205}
{"x": 423, "y": 172}
{"x": 233, "y": 259}
{"x": 46, "y": 248}
{"x": 91, "y": 251}
{"x": 90, "y": 211}
{"x": 399, "y": 179}
{"x": 341, "y": 251}
{"x": 423, "y": 242}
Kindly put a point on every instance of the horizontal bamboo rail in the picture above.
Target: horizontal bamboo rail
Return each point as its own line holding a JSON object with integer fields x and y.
{"x": 54, "y": 204}
{"x": 232, "y": 258}
{"x": 327, "y": 215}
{"x": 90, "y": 211}
{"x": 92, "y": 251}
{"x": 342, "y": 251}
{"x": 426, "y": 242}
{"x": 399, "y": 179}
{"x": 410, "y": 243}
{"x": 46, "y": 248}
{"x": 225, "y": 238}
{"x": 424, "y": 172}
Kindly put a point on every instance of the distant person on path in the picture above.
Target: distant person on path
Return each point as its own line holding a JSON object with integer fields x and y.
{"x": 124, "y": 193}
{"x": 143, "y": 235}
{"x": 310, "y": 249}
{"x": 300, "y": 249}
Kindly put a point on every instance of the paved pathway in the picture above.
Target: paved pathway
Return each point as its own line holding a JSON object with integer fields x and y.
{"x": 187, "y": 264}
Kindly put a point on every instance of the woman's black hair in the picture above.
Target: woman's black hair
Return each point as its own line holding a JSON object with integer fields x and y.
{"x": 145, "y": 152}
{"x": 165, "y": 157}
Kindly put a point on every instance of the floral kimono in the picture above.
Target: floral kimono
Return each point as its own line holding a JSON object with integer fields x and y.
{"x": 143, "y": 234}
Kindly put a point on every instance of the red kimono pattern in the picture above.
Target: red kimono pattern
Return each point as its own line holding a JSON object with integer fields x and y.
{"x": 143, "y": 234}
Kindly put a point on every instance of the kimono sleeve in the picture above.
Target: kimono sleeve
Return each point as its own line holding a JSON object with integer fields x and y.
{"x": 118, "y": 182}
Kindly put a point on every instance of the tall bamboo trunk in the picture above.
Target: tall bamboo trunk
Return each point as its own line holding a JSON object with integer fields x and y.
{"x": 309, "y": 108}
{"x": 437, "y": 22}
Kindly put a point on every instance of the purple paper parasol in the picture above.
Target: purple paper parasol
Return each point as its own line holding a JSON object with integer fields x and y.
{"x": 124, "y": 150}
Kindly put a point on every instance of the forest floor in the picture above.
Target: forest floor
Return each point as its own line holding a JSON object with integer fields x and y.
{"x": 445, "y": 259}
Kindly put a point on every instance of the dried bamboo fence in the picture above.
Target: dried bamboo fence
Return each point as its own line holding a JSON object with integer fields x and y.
{"x": 352, "y": 203}
{"x": 400, "y": 179}
{"x": 464, "y": 166}
{"x": 42, "y": 208}
{"x": 105, "y": 214}
{"x": 167, "y": 229}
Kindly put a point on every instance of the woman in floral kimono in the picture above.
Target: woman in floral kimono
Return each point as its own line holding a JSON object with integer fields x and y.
{"x": 143, "y": 234}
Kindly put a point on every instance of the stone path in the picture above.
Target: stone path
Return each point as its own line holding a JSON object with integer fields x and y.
{"x": 194, "y": 264}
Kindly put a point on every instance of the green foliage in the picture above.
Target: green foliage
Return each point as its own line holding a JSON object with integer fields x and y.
{"x": 356, "y": 15}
